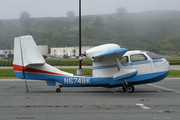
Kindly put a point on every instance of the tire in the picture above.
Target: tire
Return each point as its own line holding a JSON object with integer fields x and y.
{"x": 130, "y": 88}
{"x": 58, "y": 90}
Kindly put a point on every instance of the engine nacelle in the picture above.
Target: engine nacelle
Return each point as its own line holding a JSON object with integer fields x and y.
{"x": 91, "y": 53}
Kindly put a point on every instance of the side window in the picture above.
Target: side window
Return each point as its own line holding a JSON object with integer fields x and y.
{"x": 124, "y": 59}
{"x": 138, "y": 57}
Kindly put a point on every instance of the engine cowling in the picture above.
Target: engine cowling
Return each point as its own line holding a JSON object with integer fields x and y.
{"x": 91, "y": 53}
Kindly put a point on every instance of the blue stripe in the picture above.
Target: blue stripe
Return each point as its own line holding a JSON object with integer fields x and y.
{"x": 96, "y": 81}
{"x": 19, "y": 74}
{"x": 88, "y": 81}
{"x": 141, "y": 62}
{"x": 125, "y": 64}
{"x": 157, "y": 60}
{"x": 144, "y": 78}
{"x": 127, "y": 76}
{"x": 71, "y": 81}
{"x": 114, "y": 51}
{"x": 38, "y": 76}
{"x": 104, "y": 67}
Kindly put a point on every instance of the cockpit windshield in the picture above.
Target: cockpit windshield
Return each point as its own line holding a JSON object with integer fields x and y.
{"x": 154, "y": 55}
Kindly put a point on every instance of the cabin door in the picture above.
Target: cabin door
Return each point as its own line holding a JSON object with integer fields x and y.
{"x": 141, "y": 63}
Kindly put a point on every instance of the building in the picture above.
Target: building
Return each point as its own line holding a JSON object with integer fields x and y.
{"x": 6, "y": 52}
{"x": 69, "y": 51}
{"x": 43, "y": 49}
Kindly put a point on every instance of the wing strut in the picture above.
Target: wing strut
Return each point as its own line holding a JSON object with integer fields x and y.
{"x": 23, "y": 68}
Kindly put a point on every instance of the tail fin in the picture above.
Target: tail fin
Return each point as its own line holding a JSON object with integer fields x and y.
{"x": 25, "y": 53}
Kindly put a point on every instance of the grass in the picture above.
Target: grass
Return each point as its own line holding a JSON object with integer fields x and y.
{"x": 53, "y": 62}
{"x": 9, "y": 74}
{"x": 66, "y": 59}
{"x": 173, "y": 58}
{"x": 75, "y": 62}
{"x": 174, "y": 74}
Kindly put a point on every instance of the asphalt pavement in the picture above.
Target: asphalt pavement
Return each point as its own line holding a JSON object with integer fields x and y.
{"x": 156, "y": 101}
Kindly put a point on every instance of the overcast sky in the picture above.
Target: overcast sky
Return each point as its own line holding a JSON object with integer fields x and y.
{"x": 11, "y": 9}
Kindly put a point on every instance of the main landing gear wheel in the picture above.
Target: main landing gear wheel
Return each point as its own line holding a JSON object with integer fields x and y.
{"x": 128, "y": 88}
{"x": 58, "y": 89}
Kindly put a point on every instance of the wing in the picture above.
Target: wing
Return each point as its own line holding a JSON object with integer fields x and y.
{"x": 115, "y": 52}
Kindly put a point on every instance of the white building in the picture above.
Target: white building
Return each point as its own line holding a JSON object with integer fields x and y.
{"x": 43, "y": 49}
{"x": 69, "y": 51}
{"x": 6, "y": 52}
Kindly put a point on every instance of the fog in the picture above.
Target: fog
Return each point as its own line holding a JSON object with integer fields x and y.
{"x": 11, "y": 9}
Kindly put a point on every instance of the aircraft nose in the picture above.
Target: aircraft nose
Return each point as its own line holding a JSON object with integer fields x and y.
{"x": 164, "y": 66}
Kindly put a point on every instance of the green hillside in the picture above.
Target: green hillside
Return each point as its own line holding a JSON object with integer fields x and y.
{"x": 156, "y": 31}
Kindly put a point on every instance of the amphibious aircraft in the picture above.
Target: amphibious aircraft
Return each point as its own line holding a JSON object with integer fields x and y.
{"x": 113, "y": 66}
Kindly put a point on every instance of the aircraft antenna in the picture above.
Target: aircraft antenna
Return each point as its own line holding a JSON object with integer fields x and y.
{"x": 23, "y": 68}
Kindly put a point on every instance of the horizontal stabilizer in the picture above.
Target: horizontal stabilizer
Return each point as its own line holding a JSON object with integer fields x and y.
{"x": 115, "y": 52}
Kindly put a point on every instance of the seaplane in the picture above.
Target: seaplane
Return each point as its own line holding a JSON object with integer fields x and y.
{"x": 113, "y": 66}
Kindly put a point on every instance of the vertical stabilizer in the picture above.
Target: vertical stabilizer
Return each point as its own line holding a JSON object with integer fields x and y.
{"x": 25, "y": 53}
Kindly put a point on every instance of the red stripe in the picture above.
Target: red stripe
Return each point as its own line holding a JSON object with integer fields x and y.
{"x": 17, "y": 67}
{"x": 27, "y": 69}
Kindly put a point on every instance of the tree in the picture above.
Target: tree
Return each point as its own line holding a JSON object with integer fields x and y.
{"x": 2, "y": 56}
{"x": 10, "y": 56}
{"x": 70, "y": 14}
{"x": 25, "y": 19}
{"x": 97, "y": 21}
{"x": 110, "y": 18}
{"x": 121, "y": 10}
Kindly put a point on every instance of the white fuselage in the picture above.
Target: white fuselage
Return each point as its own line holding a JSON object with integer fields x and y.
{"x": 139, "y": 60}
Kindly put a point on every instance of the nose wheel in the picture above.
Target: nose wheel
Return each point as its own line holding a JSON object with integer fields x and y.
{"x": 58, "y": 90}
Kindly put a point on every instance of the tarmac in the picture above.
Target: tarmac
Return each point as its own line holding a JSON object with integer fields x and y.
{"x": 156, "y": 101}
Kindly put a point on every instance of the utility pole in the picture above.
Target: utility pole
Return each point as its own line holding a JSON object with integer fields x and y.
{"x": 80, "y": 71}
{"x": 80, "y": 34}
